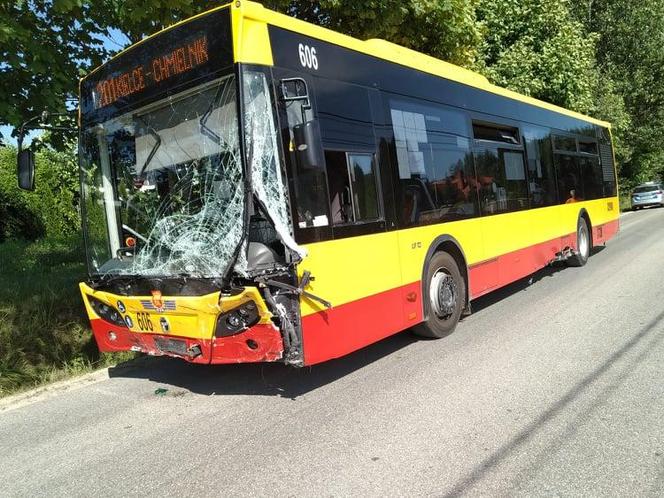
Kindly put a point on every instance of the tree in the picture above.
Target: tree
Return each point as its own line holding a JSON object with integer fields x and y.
{"x": 44, "y": 48}
{"x": 631, "y": 37}
{"x": 442, "y": 28}
{"x": 537, "y": 48}
{"x": 47, "y": 45}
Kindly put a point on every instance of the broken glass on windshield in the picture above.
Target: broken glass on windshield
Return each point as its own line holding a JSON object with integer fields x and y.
{"x": 167, "y": 184}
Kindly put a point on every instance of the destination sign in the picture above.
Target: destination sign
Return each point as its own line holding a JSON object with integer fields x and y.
{"x": 169, "y": 62}
{"x": 177, "y": 60}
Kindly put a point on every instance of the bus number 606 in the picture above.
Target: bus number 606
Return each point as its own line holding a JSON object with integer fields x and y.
{"x": 144, "y": 321}
{"x": 308, "y": 56}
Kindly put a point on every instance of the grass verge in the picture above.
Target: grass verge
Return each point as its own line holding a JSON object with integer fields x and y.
{"x": 44, "y": 333}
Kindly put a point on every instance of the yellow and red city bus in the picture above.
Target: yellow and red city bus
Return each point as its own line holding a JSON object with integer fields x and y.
{"x": 257, "y": 188}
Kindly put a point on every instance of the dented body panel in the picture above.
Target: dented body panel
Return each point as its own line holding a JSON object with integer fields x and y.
{"x": 178, "y": 325}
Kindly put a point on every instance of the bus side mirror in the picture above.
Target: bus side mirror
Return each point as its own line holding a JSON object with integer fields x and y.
{"x": 307, "y": 145}
{"x": 26, "y": 169}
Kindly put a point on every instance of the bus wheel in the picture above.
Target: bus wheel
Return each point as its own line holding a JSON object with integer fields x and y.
{"x": 583, "y": 243}
{"x": 445, "y": 293}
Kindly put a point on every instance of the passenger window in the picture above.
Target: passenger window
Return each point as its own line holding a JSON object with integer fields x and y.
{"x": 434, "y": 161}
{"x": 345, "y": 116}
{"x": 495, "y": 133}
{"x": 353, "y": 187}
{"x": 563, "y": 143}
{"x": 502, "y": 180}
{"x": 541, "y": 175}
{"x": 569, "y": 179}
{"x": 588, "y": 147}
{"x": 591, "y": 174}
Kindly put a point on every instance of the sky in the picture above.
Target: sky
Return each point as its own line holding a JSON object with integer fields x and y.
{"x": 116, "y": 40}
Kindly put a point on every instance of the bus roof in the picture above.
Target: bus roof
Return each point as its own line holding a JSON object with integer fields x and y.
{"x": 244, "y": 10}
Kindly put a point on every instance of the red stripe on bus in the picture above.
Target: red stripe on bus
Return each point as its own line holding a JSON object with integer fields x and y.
{"x": 261, "y": 342}
{"x": 507, "y": 268}
{"x": 348, "y": 327}
{"x": 111, "y": 338}
{"x": 351, "y": 326}
{"x": 258, "y": 343}
{"x": 602, "y": 233}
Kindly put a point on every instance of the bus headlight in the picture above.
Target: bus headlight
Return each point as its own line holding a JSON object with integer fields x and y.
{"x": 107, "y": 312}
{"x": 237, "y": 319}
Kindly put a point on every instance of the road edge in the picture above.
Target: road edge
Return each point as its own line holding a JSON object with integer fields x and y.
{"x": 40, "y": 393}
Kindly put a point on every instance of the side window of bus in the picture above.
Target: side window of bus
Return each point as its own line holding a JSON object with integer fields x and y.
{"x": 541, "y": 175}
{"x": 349, "y": 145}
{"x": 569, "y": 178}
{"x": 353, "y": 191}
{"x": 591, "y": 170}
{"x": 578, "y": 168}
{"x": 501, "y": 172}
{"x": 434, "y": 162}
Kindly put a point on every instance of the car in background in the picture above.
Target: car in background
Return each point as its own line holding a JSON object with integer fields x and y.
{"x": 647, "y": 194}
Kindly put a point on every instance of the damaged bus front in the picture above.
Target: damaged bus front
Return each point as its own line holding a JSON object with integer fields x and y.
{"x": 185, "y": 204}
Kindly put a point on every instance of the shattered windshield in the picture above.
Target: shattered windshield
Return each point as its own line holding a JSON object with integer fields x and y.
{"x": 163, "y": 186}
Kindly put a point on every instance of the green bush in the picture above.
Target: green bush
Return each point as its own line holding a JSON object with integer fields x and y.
{"x": 51, "y": 210}
{"x": 44, "y": 332}
{"x": 42, "y": 322}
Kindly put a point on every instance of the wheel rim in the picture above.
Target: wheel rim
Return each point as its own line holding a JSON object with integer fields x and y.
{"x": 583, "y": 240}
{"x": 443, "y": 294}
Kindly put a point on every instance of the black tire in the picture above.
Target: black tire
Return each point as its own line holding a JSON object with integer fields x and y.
{"x": 583, "y": 244}
{"x": 442, "y": 317}
{"x": 635, "y": 208}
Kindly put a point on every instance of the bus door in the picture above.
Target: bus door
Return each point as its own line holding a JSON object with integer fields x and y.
{"x": 338, "y": 214}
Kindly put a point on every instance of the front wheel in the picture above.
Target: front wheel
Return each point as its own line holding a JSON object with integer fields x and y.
{"x": 583, "y": 244}
{"x": 444, "y": 292}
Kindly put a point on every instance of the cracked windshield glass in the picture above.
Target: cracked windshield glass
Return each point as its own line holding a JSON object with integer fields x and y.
{"x": 163, "y": 186}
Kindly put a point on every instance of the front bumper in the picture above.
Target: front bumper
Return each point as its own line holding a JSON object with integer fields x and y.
{"x": 184, "y": 327}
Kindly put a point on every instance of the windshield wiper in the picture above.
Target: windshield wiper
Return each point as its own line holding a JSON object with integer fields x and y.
{"x": 208, "y": 132}
{"x": 157, "y": 144}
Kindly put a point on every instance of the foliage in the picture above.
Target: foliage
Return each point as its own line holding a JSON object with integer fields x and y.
{"x": 51, "y": 210}
{"x": 536, "y": 48}
{"x": 44, "y": 334}
{"x": 44, "y": 47}
{"x": 602, "y": 58}
{"x": 631, "y": 37}
{"x": 443, "y": 28}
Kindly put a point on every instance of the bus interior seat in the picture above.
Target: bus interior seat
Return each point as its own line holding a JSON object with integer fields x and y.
{"x": 264, "y": 248}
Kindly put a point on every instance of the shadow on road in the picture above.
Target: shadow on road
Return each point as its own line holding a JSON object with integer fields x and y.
{"x": 263, "y": 379}
{"x": 652, "y": 329}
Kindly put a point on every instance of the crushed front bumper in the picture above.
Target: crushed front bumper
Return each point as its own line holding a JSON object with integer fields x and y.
{"x": 186, "y": 327}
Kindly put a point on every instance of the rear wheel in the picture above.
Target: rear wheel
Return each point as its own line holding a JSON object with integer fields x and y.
{"x": 444, "y": 294}
{"x": 583, "y": 243}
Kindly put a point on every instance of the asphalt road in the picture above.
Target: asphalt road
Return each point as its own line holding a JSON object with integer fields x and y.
{"x": 551, "y": 388}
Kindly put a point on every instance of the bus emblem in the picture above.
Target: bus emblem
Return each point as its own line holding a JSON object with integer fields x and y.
{"x": 157, "y": 300}
{"x": 158, "y": 304}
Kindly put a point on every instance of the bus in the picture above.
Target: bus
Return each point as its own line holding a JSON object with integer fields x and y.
{"x": 256, "y": 188}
